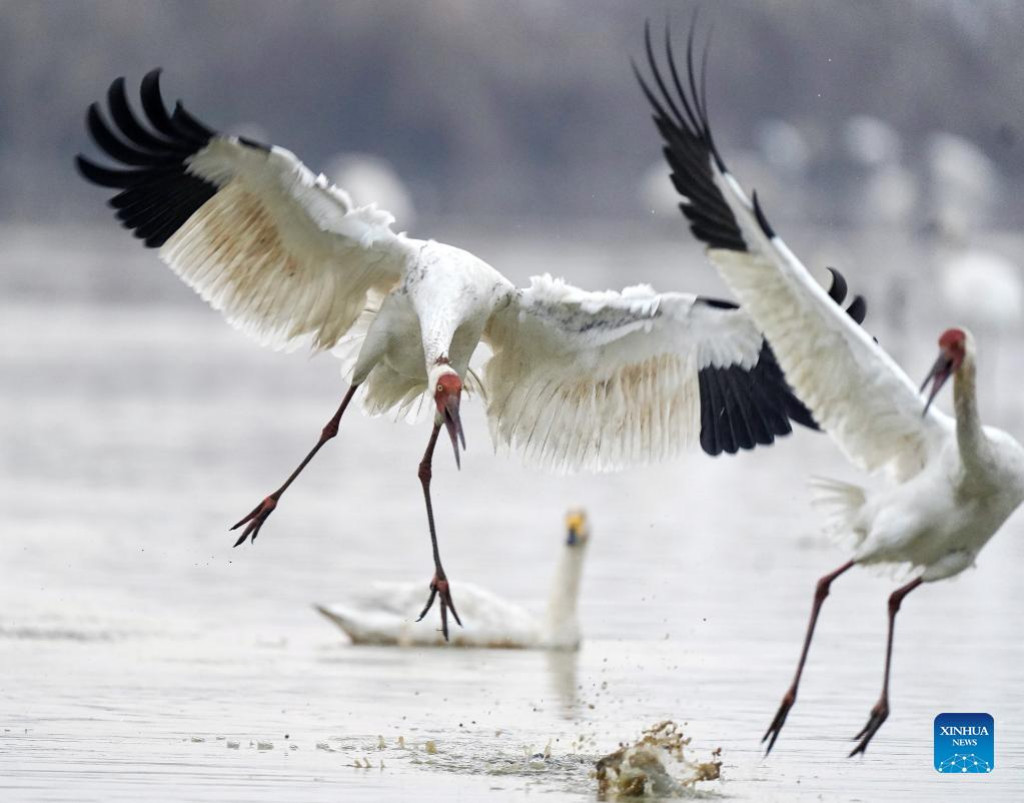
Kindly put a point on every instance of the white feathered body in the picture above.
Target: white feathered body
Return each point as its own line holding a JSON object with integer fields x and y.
{"x": 939, "y": 519}
{"x": 386, "y": 614}
{"x": 950, "y": 483}
{"x": 438, "y": 311}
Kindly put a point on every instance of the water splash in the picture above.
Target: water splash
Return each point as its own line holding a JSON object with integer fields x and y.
{"x": 655, "y": 766}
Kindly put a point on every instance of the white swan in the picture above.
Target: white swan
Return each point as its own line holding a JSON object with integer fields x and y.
{"x": 386, "y": 613}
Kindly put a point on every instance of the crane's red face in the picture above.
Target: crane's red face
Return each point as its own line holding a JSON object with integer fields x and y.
{"x": 446, "y": 395}
{"x": 952, "y": 347}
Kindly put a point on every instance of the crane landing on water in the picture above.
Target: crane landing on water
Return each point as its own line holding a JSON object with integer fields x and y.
{"x": 577, "y": 380}
{"x": 952, "y": 482}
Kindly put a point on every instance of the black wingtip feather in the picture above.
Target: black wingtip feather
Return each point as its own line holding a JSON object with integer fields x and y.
{"x": 680, "y": 114}
{"x": 838, "y": 289}
{"x": 742, "y": 408}
{"x": 858, "y": 309}
{"x": 153, "y": 105}
{"x": 708, "y": 432}
{"x": 157, "y": 194}
{"x": 763, "y": 403}
{"x": 762, "y": 221}
{"x": 183, "y": 119}
{"x": 106, "y": 177}
{"x": 716, "y": 303}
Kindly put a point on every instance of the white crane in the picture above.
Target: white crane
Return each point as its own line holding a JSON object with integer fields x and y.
{"x": 578, "y": 379}
{"x": 952, "y": 482}
{"x": 384, "y": 615}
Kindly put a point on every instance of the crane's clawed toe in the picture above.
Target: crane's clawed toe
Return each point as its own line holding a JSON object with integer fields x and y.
{"x": 780, "y": 719}
{"x": 255, "y": 519}
{"x": 878, "y": 715}
{"x": 440, "y": 589}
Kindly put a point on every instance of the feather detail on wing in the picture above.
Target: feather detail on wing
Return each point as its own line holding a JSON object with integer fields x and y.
{"x": 855, "y": 391}
{"x": 599, "y": 381}
{"x": 282, "y": 253}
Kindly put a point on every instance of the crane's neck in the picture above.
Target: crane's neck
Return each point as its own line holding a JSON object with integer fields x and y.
{"x": 561, "y": 625}
{"x": 970, "y": 435}
{"x": 437, "y": 340}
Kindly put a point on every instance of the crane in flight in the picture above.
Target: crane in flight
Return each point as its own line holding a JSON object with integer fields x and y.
{"x": 577, "y": 379}
{"x": 952, "y": 481}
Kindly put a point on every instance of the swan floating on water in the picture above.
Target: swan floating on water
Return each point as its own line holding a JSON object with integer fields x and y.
{"x": 386, "y": 613}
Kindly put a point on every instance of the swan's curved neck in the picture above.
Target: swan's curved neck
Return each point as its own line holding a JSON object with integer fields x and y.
{"x": 562, "y": 628}
{"x": 970, "y": 435}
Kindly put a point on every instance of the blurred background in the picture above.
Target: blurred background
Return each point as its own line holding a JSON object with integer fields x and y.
{"x": 525, "y": 109}
{"x": 884, "y": 138}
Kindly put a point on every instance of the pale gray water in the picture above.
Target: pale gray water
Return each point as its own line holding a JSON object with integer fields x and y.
{"x": 131, "y": 435}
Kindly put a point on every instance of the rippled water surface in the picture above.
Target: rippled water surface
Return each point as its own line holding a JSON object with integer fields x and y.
{"x": 136, "y": 646}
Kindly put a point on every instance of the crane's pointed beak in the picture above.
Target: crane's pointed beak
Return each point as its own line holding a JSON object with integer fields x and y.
{"x": 453, "y": 423}
{"x": 941, "y": 371}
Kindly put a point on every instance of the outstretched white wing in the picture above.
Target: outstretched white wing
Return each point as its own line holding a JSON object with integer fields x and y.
{"x": 855, "y": 391}
{"x": 603, "y": 380}
{"x": 281, "y": 252}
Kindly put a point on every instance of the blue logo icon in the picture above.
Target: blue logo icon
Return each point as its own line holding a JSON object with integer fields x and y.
{"x": 965, "y": 743}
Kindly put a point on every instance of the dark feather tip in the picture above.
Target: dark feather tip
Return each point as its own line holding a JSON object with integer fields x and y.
{"x": 837, "y": 291}
{"x": 858, "y": 309}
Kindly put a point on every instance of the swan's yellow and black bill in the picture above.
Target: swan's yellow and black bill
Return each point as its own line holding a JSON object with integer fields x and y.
{"x": 575, "y": 524}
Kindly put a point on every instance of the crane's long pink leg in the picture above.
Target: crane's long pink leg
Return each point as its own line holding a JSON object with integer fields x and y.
{"x": 439, "y": 587}
{"x": 881, "y": 710}
{"x": 262, "y": 511}
{"x": 820, "y": 592}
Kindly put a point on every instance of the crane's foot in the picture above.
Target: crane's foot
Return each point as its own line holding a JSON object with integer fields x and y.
{"x": 256, "y": 519}
{"x": 440, "y": 589}
{"x": 780, "y": 719}
{"x": 878, "y": 715}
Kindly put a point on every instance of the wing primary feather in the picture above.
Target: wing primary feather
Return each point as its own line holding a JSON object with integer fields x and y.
{"x": 693, "y": 118}
{"x": 726, "y": 433}
{"x": 666, "y": 96}
{"x": 757, "y": 423}
{"x": 129, "y": 126}
{"x": 768, "y": 399}
{"x": 158, "y": 219}
{"x": 681, "y": 119}
{"x": 153, "y": 105}
{"x": 838, "y": 289}
{"x": 762, "y": 221}
{"x": 716, "y": 406}
{"x": 708, "y": 434}
{"x": 715, "y": 240}
{"x": 691, "y": 78}
{"x": 703, "y": 103}
{"x": 252, "y": 143}
{"x": 687, "y": 179}
{"x": 111, "y": 145}
{"x": 166, "y": 231}
{"x": 716, "y": 303}
{"x": 858, "y": 309}
{"x": 183, "y": 120}
{"x": 138, "y": 205}
{"x": 736, "y": 409}
{"x": 117, "y": 179}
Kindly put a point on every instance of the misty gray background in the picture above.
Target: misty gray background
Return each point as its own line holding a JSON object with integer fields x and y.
{"x": 520, "y": 109}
